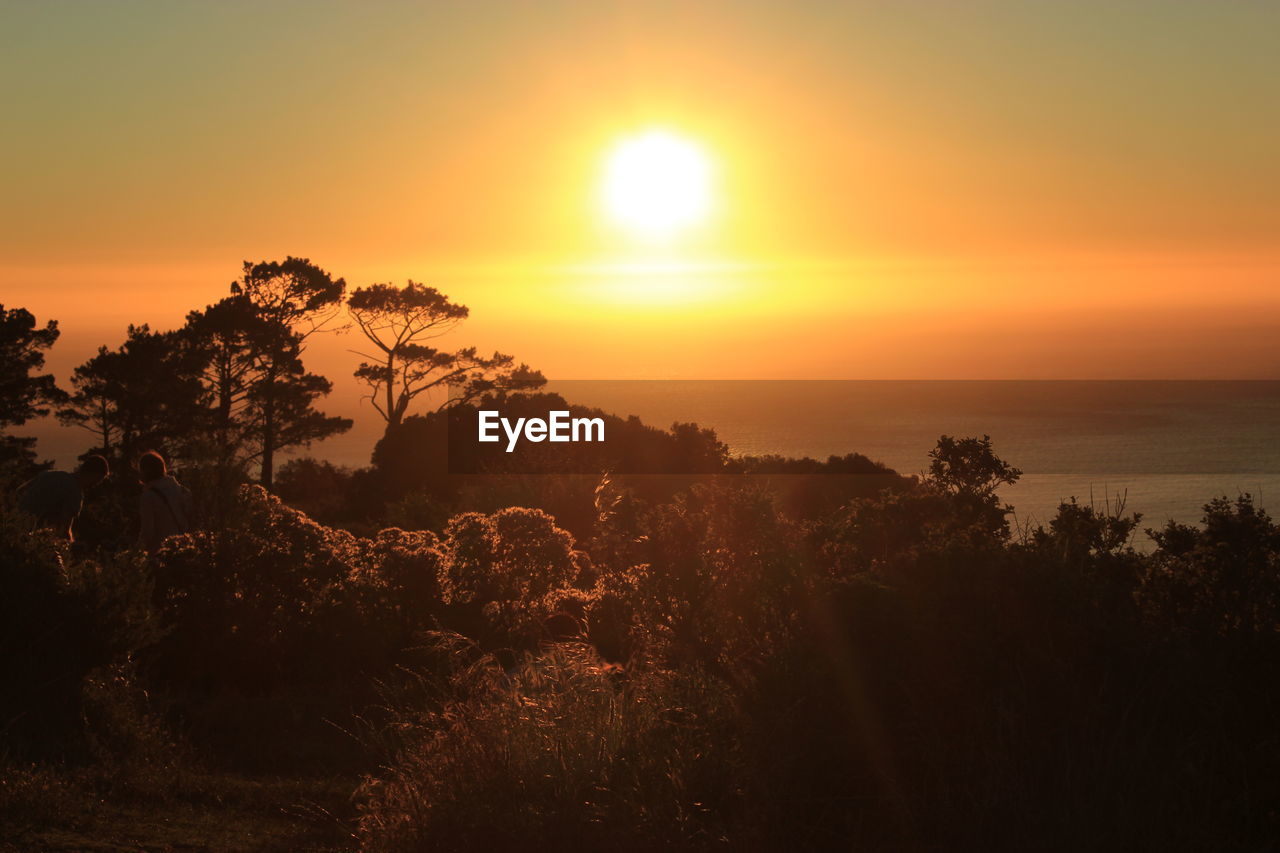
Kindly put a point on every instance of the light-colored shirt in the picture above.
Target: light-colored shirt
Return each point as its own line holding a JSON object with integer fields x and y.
{"x": 54, "y": 498}
{"x": 166, "y": 510}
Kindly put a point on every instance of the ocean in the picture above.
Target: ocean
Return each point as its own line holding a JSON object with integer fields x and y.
{"x": 1165, "y": 448}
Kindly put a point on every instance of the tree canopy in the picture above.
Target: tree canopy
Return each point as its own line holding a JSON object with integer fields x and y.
{"x": 398, "y": 321}
{"x": 24, "y": 393}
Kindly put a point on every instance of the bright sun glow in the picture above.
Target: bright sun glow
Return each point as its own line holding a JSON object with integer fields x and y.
{"x": 657, "y": 183}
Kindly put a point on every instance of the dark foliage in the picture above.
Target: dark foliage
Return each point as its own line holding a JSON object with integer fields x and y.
{"x": 704, "y": 671}
{"x": 397, "y": 323}
{"x": 144, "y": 395}
{"x": 23, "y": 393}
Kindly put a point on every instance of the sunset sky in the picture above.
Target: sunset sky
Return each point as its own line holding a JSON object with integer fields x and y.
{"x": 896, "y": 190}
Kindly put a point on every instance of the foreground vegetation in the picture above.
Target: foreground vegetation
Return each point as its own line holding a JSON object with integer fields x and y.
{"x": 712, "y": 668}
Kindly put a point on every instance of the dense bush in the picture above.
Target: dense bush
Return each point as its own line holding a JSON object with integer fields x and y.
{"x": 256, "y": 603}
{"x": 47, "y": 641}
{"x": 710, "y": 669}
{"x": 515, "y": 566}
{"x": 63, "y": 622}
{"x": 559, "y": 747}
{"x": 1222, "y": 578}
{"x": 275, "y": 598}
{"x": 712, "y": 577}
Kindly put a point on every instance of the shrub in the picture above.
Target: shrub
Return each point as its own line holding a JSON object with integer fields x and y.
{"x": 559, "y": 747}
{"x": 509, "y": 566}
{"x": 61, "y": 621}
{"x": 1223, "y": 579}
{"x": 245, "y": 601}
{"x": 715, "y": 576}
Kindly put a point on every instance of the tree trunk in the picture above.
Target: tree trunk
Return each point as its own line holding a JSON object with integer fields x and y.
{"x": 225, "y": 393}
{"x": 393, "y": 416}
{"x": 269, "y": 430}
{"x": 104, "y": 420}
{"x": 268, "y": 445}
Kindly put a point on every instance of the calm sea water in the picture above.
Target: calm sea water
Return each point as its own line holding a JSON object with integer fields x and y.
{"x": 1165, "y": 447}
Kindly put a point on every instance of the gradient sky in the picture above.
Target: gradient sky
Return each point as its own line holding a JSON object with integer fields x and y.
{"x": 905, "y": 190}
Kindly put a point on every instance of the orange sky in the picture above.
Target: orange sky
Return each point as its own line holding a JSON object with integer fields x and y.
{"x": 923, "y": 190}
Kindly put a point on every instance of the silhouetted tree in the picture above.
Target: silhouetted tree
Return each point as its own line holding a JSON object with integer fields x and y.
{"x": 294, "y": 293}
{"x": 1079, "y": 532}
{"x": 969, "y": 471}
{"x": 282, "y": 414}
{"x": 222, "y": 332}
{"x": 969, "y": 466}
{"x": 397, "y": 321}
{"x": 293, "y": 299}
{"x": 698, "y": 450}
{"x": 23, "y": 396}
{"x": 144, "y": 394}
{"x": 262, "y": 396}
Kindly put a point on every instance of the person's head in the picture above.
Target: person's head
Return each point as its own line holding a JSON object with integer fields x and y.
{"x": 92, "y": 471}
{"x": 151, "y": 466}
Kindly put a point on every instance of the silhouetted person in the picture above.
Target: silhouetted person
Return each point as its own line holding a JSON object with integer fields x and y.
{"x": 54, "y": 498}
{"x": 164, "y": 505}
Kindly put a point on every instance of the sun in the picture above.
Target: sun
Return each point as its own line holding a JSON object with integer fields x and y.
{"x": 657, "y": 183}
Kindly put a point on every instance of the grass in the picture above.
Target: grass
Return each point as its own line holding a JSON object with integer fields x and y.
{"x": 54, "y": 809}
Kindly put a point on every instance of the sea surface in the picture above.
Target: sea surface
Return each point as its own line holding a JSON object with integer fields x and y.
{"x": 1163, "y": 448}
